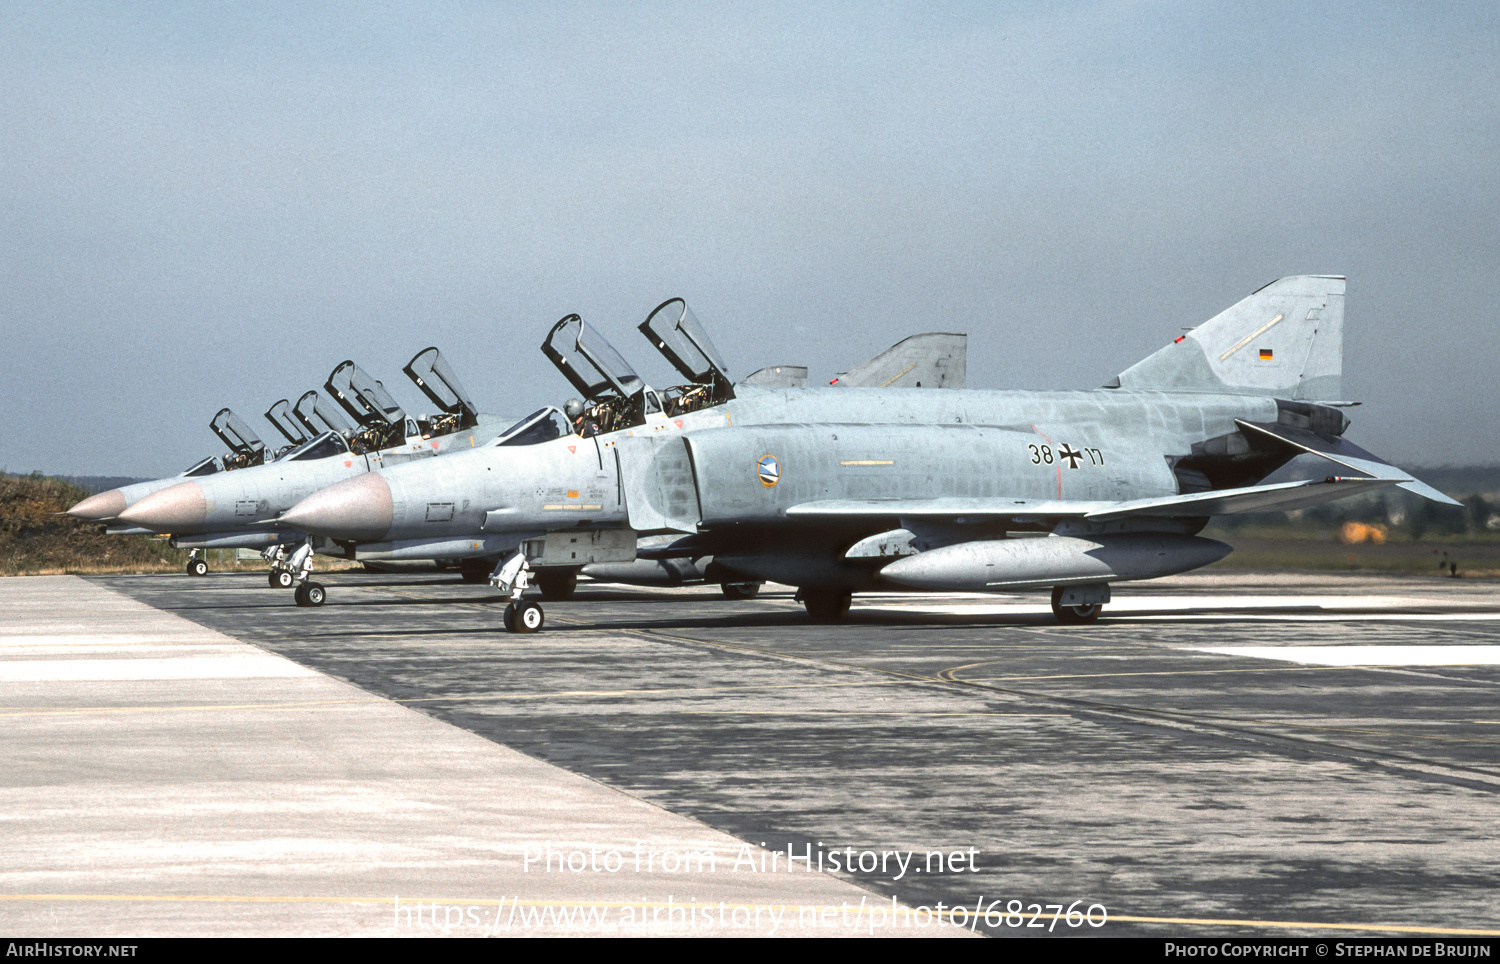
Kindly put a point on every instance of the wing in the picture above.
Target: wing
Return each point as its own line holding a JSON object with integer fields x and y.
{"x": 1282, "y": 496}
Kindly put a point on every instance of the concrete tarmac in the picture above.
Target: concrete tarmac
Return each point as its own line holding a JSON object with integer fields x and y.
{"x": 1220, "y": 754}
{"x": 158, "y": 778}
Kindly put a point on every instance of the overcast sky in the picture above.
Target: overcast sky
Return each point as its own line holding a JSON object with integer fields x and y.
{"x": 213, "y": 204}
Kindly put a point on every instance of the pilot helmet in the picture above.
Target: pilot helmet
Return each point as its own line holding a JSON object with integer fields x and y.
{"x": 574, "y": 407}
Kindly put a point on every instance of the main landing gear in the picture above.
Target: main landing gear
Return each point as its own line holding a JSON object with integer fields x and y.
{"x": 826, "y": 605}
{"x": 196, "y": 566}
{"x": 1075, "y": 606}
{"x": 740, "y": 590}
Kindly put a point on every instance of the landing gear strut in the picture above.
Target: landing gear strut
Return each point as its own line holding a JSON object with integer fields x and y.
{"x": 280, "y": 576}
{"x": 307, "y": 593}
{"x": 1070, "y": 614}
{"x": 196, "y": 566}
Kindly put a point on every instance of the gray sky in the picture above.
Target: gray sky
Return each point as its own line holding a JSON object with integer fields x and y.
{"x": 209, "y": 205}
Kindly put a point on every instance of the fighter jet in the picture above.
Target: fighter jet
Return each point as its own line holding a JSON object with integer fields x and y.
{"x": 937, "y": 358}
{"x": 929, "y": 360}
{"x": 837, "y": 491}
{"x": 245, "y": 449}
{"x": 226, "y": 510}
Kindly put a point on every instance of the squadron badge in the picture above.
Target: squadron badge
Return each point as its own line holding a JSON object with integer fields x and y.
{"x": 770, "y": 470}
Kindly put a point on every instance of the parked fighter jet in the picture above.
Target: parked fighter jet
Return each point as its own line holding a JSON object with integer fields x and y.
{"x": 930, "y": 360}
{"x": 837, "y": 491}
{"x": 245, "y": 449}
{"x": 224, "y": 511}
{"x": 937, "y": 358}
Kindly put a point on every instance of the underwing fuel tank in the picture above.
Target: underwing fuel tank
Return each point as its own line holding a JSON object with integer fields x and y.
{"x": 1000, "y": 565}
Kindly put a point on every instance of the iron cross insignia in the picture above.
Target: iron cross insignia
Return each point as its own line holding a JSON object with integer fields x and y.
{"x": 1072, "y": 455}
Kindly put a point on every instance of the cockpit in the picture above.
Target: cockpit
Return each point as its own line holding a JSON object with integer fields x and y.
{"x": 382, "y": 422}
{"x": 615, "y": 397}
{"x": 280, "y": 416}
{"x": 430, "y": 371}
{"x": 208, "y": 466}
{"x": 540, "y": 426}
{"x": 245, "y": 448}
{"x": 324, "y": 446}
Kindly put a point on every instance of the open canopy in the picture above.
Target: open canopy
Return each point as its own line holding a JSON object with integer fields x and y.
{"x": 363, "y": 397}
{"x": 236, "y": 434}
{"x": 280, "y": 415}
{"x": 437, "y": 380}
{"x": 589, "y": 361}
{"x": 676, "y": 332}
{"x": 317, "y": 416}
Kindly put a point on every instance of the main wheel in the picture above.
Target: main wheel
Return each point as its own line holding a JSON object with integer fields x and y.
{"x": 528, "y": 617}
{"x": 310, "y": 594}
{"x": 197, "y": 567}
{"x": 1073, "y": 615}
{"x": 281, "y": 579}
{"x": 557, "y": 585}
{"x": 740, "y": 590}
{"x": 827, "y": 605}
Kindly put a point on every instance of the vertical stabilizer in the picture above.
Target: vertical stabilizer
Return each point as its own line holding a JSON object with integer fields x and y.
{"x": 1285, "y": 340}
{"x": 931, "y": 360}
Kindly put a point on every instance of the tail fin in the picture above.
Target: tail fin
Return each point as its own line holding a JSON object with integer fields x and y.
{"x": 931, "y": 360}
{"x": 1286, "y": 340}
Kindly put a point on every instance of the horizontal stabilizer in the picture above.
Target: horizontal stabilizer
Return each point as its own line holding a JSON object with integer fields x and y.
{"x": 1344, "y": 452}
{"x": 1279, "y": 497}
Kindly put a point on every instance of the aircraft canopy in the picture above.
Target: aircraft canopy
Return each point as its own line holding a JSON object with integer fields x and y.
{"x": 589, "y": 361}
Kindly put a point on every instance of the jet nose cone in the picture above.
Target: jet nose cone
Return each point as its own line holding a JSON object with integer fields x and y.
{"x": 180, "y": 508}
{"x": 105, "y": 505}
{"x": 358, "y": 509}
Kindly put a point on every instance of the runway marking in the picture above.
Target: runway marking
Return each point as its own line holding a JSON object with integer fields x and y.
{"x": 1306, "y": 925}
{"x": 1179, "y": 672}
{"x": 1393, "y": 655}
{"x": 855, "y": 713}
{"x": 1352, "y": 729}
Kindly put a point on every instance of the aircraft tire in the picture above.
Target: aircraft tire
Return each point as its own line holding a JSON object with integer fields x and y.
{"x": 740, "y": 590}
{"x": 310, "y": 594}
{"x": 827, "y": 605}
{"x": 197, "y": 567}
{"x": 509, "y": 619}
{"x": 281, "y": 579}
{"x": 557, "y": 585}
{"x": 528, "y": 618}
{"x": 1073, "y": 615}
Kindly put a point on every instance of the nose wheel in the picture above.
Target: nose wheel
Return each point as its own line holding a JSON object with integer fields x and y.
{"x": 281, "y": 579}
{"x": 524, "y": 617}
